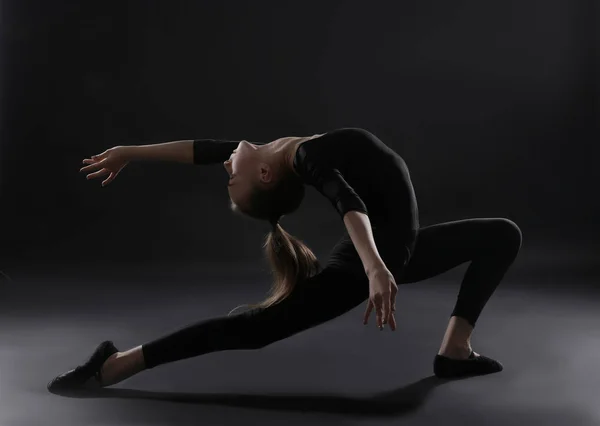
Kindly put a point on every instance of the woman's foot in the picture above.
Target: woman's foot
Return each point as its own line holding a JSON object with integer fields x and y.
{"x": 87, "y": 375}
{"x": 456, "y": 357}
{"x": 459, "y": 363}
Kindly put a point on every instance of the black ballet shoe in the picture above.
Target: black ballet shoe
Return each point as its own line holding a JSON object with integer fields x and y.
{"x": 445, "y": 367}
{"x": 86, "y": 376}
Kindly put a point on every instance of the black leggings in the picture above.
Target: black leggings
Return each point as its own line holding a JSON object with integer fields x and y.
{"x": 490, "y": 244}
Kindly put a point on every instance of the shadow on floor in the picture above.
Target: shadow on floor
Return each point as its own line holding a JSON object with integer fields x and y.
{"x": 392, "y": 403}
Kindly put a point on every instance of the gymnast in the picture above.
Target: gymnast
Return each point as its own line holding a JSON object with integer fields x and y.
{"x": 369, "y": 186}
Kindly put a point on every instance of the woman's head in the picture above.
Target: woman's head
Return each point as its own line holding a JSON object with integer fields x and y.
{"x": 245, "y": 166}
{"x": 263, "y": 186}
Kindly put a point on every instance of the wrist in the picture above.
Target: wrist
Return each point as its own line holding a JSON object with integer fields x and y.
{"x": 131, "y": 152}
{"x": 375, "y": 267}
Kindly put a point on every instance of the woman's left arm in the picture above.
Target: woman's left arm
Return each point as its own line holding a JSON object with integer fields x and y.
{"x": 351, "y": 208}
{"x": 361, "y": 233}
{"x": 382, "y": 286}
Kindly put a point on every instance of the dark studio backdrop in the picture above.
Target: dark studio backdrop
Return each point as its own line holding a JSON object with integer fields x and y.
{"x": 492, "y": 105}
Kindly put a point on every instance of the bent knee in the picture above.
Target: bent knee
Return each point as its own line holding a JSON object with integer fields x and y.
{"x": 509, "y": 233}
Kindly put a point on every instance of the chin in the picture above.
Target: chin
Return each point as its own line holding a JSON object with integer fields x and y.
{"x": 233, "y": 206}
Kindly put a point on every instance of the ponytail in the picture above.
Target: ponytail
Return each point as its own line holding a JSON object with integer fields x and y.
{"x": 290, "y": 260}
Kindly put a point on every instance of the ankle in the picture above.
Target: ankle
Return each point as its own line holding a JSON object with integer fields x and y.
{"x": 121, "y": 366}
{"x": 456, "y": 351}
{"x": 108, "y": 370}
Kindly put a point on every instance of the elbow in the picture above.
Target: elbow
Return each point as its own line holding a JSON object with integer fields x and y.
{"x": 355, "y": 212}
{"x": 354, "y": 218}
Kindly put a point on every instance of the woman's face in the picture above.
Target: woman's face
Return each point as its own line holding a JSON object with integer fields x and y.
{"x": 243, "y": 168}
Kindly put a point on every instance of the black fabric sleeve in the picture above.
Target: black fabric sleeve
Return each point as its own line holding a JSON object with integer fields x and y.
{"x": 212, "y": 151}
{"x": 331, "y": 184}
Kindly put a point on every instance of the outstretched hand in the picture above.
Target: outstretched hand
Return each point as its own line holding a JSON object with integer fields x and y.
{"x": 111, "y": 162}
{"x": 382, "y": 297}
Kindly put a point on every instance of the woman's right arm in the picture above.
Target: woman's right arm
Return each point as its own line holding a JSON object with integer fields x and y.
{"x": 179, "y": 151}
{"x": 191, "y": 151}
{"x": 195, "y": 151}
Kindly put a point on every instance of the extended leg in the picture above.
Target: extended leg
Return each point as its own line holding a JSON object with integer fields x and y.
{"x": 323, "y": 297}
{"x": 491, "y": 244}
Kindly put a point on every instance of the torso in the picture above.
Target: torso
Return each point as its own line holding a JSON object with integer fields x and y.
{"x": 370, "y": 168}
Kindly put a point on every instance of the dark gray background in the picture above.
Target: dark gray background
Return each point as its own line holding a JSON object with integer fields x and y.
{"x": 492, "y": 105}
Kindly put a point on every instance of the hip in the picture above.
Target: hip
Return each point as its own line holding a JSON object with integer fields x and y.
{"x": 395, "y": 246}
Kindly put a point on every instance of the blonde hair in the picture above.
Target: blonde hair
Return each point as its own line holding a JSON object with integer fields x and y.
{"x": 290, "y": 260}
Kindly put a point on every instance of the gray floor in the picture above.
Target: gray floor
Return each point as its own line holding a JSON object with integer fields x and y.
{"x": 340, "y": 373}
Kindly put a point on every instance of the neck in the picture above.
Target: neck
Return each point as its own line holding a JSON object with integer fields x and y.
{"x": 280, "y": 153}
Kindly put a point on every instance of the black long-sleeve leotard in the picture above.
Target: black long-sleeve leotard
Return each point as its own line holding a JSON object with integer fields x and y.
{"x": 355, "y": 171}
{"x": 351, "y": 167}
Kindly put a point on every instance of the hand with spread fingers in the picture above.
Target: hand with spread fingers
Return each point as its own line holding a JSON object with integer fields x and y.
{"x": 110, "y": 162}
{"x": 382, "y": 297}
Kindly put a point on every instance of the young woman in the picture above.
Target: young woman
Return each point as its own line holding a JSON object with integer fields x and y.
{"x": 369, "y": 186}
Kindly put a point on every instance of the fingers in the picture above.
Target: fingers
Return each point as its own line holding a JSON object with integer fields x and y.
{"x": 95, "y": 163}
{"x": 384, "y": 302}
{"x": 97, "y": 174}
{"x": 109, "y": 179}
{"x": 386, "y": 308}
{"x": 392, "y": 322}
{"x": 99, "y": 156}
{"x": 94, "y": 166}
{"x": 370, "y": 306}
{"x": 393, "y": 306}
{"x": 391, "y": 319}
{"x": 368, "y": 312}
{"x": 376, "y": 301}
